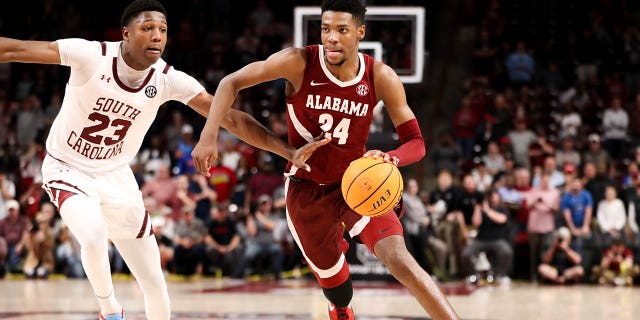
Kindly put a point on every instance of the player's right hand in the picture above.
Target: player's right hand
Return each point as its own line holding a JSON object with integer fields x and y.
{"x": 301, "y": 155}
{"x": 203, "y": 155}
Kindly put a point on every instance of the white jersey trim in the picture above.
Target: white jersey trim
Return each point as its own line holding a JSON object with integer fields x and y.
{"x": 336, "y": 80}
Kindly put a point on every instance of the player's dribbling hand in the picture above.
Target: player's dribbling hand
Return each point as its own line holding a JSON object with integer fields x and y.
{"x": 375, "y": 154}
{"x": 302, "y": 154}
{"x": 203, "y": 156}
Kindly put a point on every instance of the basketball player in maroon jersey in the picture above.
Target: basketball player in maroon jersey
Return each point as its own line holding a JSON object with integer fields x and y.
{"x": 331, "y": 91}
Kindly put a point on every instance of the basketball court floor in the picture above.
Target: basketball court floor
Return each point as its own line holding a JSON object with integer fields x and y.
{"x": 293, "y": 299}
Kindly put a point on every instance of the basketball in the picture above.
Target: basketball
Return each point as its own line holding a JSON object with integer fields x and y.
{"x": 371, "y": 187}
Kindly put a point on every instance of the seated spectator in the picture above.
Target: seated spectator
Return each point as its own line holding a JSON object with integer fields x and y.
{"x": 611, "y": 216}
{"x": 39, "y": 243}
{"x": 12, "y": 229}
{"x": 568, "y": 154}
{"x": 482, "y": 177}
{"x": 224, "y": 248}
{"x": 493, "y": 159}
{"x": 595, "y": 153}
{"x": 556, "y": 178}
{"x": 446, "y": 154}
{"x": 491, "y": 221}
{"x": 189, "y": 245}
{"x": 419, "y": 233}
{"x": 260, "y": 242}
{"x": 617, "y": 265}
{"x": 67, "y": 254}
{"x": 7, "y": 191}
{"x": 442, "y": 204}
{"x": 561, "y": 264}
{"x": 165, "y": 242}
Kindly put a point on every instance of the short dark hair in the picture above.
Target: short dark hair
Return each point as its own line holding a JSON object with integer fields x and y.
{"x": 354, "y": 7}
{"x": 138, "y": 6}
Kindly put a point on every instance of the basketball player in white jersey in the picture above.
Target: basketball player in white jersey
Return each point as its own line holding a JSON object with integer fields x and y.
{"x": 111, "y": 99}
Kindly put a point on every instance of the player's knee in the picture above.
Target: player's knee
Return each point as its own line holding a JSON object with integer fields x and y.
{"x": 341, "y": 295}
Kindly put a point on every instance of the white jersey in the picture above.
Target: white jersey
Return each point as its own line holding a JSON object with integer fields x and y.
{"x": 103, "y": 122}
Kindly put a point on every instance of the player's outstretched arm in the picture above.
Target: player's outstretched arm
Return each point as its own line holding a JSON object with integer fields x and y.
{"x": 288, "y": 64}
{"x": 390, "y": 90}
{"x": 14, "y": 50}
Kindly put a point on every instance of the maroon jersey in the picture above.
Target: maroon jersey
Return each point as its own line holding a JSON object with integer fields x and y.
{"x": 326, "y": 104}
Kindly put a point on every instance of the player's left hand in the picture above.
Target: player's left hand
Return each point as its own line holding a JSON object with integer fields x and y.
{"x": 375, "y": 154}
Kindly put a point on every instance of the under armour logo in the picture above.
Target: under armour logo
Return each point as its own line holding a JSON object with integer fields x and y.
{"x": 107, "y": 78}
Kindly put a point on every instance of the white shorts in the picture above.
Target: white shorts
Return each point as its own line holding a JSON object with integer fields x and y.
{"x": 116, "y": 192}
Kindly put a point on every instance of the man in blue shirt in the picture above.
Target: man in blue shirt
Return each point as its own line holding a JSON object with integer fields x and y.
{"x": 577, "y": 209}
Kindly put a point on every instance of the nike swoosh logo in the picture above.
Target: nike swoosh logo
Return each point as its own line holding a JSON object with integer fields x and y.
{"x": 313, "y": 83}
{"x": 331, "y": 307}
{"x": 381, "y": 231}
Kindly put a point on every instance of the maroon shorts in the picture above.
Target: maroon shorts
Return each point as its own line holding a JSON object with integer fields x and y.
{"x": 318, "y": 216}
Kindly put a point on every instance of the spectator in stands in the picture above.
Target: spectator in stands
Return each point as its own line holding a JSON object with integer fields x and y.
{"x": 165, "y": 242}
{"x": 223, "y": 180}
{"x": 482, "y": 177}
{"x": 570, "y": 122}
{"x": 561, "y": 264}
{"x": 617, "y": 266}
{"x": 543, "y": 202}
{"x": 469, "y": 200}
{"x": 442, "y": 205}
{"x": 465, "y": 121}
{"x": 633, "y": 111}
{"x": 12, "y": 229}
{"x": 30, "y": 184}
{"x": 556, "y": 178}
{"x": 173, "y": 131}
{"x": 154, "y": 156}
{"x": 162, "y": 188}
{"x": 596, "y": 181}
{"x": 587, "y": 56}
{"x": 490, "y": 219}
{"x": 493, "y": 159}
{"x": 595, "y": 154}
{"x": 568, "y": 153}
{"x": 39, "y": 244}
{"x": 615, "y": 123}
{"x": 611, "y": 217}
{"x": 260, "y": 243}
{"x": 446, "y": 154}
{"x": 67, "y": 254}
{"x": 182, "y": 153}
{"x": 484, "y": 54}
{"x": 520, "y": 64}
{"x": 189, "y": 246}
{"x": 29, "y": 120}
{"x": 551, "y": 78}
{"x": 570, "y": 173}
{"x": 204, "y": 196}
{"x": 577, "y": 209}
{"x": 224, "y": 247}
{"x": 521, "y": 138}
{"x": 632, "y": 174}
{"x": 419, "y": 232}
{"x": 264, "y": 182}
{"x": 540, "y": 149}
{"x": 501, "y": 115}
{"x": 7, "y": 192}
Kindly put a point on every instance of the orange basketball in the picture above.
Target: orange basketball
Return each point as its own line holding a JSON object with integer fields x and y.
{"x": 371, "y": 187}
